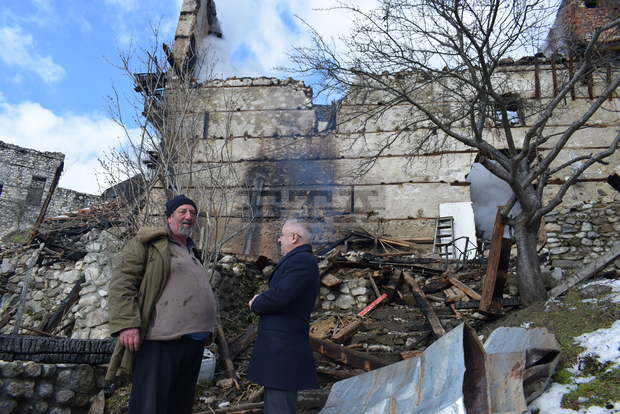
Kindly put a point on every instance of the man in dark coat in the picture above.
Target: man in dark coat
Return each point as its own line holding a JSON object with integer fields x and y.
{"x": 282, "y": 359}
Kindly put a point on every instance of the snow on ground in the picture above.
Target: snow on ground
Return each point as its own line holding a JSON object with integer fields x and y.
{"x": 605, "y": 343}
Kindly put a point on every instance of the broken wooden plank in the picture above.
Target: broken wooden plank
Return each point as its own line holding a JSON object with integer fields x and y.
{"x": 587, "y": 271}
{"x": 46, "y": 203}
{"x": 249, "y": 408}
{"x": 374, "y": 285}
{"x": 499, "y": 257}
{"x": 437, "y": 285}
{"x": 411, "y": 354}
{"x": 339, "y": 374}
{"x": 53, "y": 319}
{"x": 242, "y": 341}
{"x": 454, "y": 294}
{"x": 435, "y": 298}
{"x": 348, "y": 331}
{"x": 222, "y": 347}
{"x": 352, "y": 358}
{"x": 424, "y": 306}
{"x": 463, "y": 287}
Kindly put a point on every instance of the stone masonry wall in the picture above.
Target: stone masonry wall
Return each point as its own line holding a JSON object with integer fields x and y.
{"x": 33, "y": 388}
{"x": 578, "y": 233}
{"x": 271, "y": 133}
{"x": 26, "y": 176}
{"x": 65, "y": 200}
{"x": 48, "y": 285}
{"x": 18, "y": 167}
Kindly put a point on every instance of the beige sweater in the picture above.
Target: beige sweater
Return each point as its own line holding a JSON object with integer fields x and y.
{"x": 187, "y": 304}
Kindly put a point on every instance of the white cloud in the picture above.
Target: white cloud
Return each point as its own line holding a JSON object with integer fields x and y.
{"x": 82, "y": 138}
{"x": 261, "y": 30}
{"x": 17, "y": 49}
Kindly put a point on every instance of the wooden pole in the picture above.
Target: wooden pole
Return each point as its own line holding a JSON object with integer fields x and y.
{"x": 499, "y": 255}
{"x": 424, "y": 306}
{"x": 46, "y": 203}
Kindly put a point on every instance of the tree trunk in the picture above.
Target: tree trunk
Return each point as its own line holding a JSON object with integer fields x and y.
{"x": 531, "y": 286}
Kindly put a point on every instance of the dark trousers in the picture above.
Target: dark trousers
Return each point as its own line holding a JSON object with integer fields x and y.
{"x": 280, "y": 401}
{"x": 164, "y": 377}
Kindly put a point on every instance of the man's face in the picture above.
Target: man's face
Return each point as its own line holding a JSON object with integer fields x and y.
{"x": 286, "y": 240}
{"x": 182, "y": 220}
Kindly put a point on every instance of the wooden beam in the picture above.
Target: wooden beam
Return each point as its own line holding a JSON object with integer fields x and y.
{"x": 462, "y": 286}
{"x": 348, "y": 331}
{"x": 587, "y": 271}
{"x": 499, "y": 256}
{"x": 242, "y": 341}
{"x": 423, "y": 304}
{"x": 46, "y": 203}
{"x": 352, "y": 358}
{"x": 222, "y": 347}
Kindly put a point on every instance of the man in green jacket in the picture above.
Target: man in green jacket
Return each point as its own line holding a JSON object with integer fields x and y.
{"x": 162, "y": 309}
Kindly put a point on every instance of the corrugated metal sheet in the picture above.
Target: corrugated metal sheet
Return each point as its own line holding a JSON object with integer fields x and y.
{"x": 522, "y": 362}
{"x": 455, "y": 375}
{"x": 429, "y": 384}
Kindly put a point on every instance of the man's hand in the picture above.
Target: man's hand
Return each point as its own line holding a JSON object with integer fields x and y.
{"x": 252, "y": 300}
{"x": 130, "y": 339}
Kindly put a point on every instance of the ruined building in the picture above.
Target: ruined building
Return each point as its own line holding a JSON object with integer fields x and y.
{"x": 292, "y": 158}
{"x": 578, "y": 19}
{"x": 26, "y": 178}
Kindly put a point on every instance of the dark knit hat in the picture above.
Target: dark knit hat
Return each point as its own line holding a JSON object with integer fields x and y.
{"x": 177, "y": 201}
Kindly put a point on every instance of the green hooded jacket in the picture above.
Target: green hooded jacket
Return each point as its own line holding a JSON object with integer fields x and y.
{"x": 136, "y": 284}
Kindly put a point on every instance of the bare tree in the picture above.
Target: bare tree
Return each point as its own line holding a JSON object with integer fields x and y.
{"x": 442, "y": 60}
{"x": 167, "y": 151}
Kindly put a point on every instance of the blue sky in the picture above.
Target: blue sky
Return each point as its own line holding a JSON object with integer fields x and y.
{"x": 58, "y": 64}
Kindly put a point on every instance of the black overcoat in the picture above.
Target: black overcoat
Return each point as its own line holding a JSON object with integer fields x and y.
{"x": 282, "y": 357}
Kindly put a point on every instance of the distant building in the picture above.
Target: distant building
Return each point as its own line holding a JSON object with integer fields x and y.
{"x": 277, "y": 154}
{"x": 26, "y": 177}
{"x": 577, "y": 20}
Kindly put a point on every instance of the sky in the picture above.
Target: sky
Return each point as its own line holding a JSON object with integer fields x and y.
{"x": 59, "y": 64}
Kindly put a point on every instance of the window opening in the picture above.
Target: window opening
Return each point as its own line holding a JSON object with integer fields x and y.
{"x": 590, "y": 4}
{"x": 35, "y": 191}
{"x": 514, "y": 110}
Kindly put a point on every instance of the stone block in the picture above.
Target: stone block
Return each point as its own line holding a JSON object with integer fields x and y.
{"x": 79, "y": 378}
{"x": 45, "y": 389}
{"x": 330, "y": 280}
{"x": 11, "y": 369}
{"x": 359, "y": 291}
{"x": 345, "y": 302}
{"x": 20, "y": 389}
{"x": 566, "y": 263}
{"x": 7, "y": 406}
{"x": 71, "y": 276}
{"x": 96, "y": 318}
{"x": 64, "y": 396}
{"x": 48, "y": 370}
{"x": 32, "y": 369}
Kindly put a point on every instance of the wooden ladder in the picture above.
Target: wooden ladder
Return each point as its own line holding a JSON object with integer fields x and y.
{"x": 444, "y": 235}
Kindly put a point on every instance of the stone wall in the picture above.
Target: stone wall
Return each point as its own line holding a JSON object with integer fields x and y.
{"x": 49, "y": 284}
{"x": 26, "y": 176}
{"x": 270, "y": 129}
{"x": 578, "y": 233}
{"x": 30, "y": 387}
{"x": 65, "y": 200}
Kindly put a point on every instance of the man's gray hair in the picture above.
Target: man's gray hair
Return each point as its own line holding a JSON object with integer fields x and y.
{"x": 302, "y": 229}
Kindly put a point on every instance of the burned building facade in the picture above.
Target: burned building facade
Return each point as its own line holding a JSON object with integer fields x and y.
{"x": 292, "y": 158}
{"x": 26, "y": 178}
